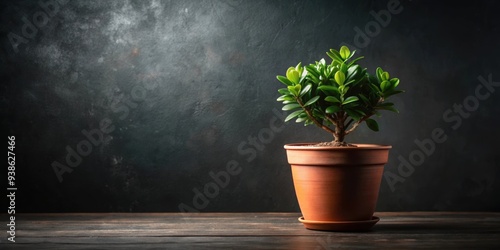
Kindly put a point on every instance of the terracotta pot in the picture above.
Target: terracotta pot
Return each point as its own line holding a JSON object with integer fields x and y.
{"x": 337, "y": 184}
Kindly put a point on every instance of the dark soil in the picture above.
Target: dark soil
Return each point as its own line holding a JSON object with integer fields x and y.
{"x": 333, "y": 144}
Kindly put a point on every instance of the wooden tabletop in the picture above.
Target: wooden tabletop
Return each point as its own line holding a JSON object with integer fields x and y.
{"x": 395, "y": 230}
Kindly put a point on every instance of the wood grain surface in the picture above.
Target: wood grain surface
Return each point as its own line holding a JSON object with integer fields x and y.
{"x": 396, "y": 230}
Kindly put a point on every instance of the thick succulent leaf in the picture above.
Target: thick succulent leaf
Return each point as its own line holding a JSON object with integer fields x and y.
{"x": 311, "y": 68}
{"x": 385, "y": 85}
{"x": 340, "y": 77}
{"x": 311, "y": 101}
{"x": 293, "y": 115}
{"x": 295, "y": 90}
{"x": 335, "y": 55}
{"x": 351, "y": 55}
{"x": 332, "y": 99}
{"x": 332, "y": 109}
{"x": 349, "y": 82}
{"x": 394, "y": 82}
{"x": 344, "y": 52}
{"x": 298, "y": 67}
{"x": 293, "y": 75}
{"x": 281, "y": 98}
{"x": 372, "y": 124}
{"x": 284, "y": 91}
{"x": 352, "y": 105}
{"x": 286, "y": 99}
{"x": 322, "y": 62}
{"x": 379, "y": 74}
{"x": 291, "y": 106}
{"x": 355, "y": 60}
{"x": 306, "y": 89}
{"x": 329, "y": 89}
{"x": 343, "y": 68}
{"x": 350, "y": 99}
{"x": 302, "y": 117}
{"x": 353, "y": 72}
{"x": 284, "y": 80}
{"x": 385, "y": 76}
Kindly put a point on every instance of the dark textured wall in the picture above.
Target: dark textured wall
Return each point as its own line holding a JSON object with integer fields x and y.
{"x": 139, "y": 105}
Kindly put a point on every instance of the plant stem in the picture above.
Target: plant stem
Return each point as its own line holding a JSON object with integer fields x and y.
{"x": 309, "y": 114}
{"x": 356, "y": 124}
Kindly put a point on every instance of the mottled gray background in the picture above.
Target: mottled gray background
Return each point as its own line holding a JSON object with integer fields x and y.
{"x": 188, "y": 84}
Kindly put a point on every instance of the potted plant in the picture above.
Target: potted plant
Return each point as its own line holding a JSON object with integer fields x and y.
{"x": 337, "y": 183}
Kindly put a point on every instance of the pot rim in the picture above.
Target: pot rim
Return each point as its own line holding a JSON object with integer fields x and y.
{"x": 308, "y": 146}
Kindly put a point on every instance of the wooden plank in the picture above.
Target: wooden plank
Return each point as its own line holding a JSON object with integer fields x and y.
{"x": 300, "y": 242}
{"x": 248, "y": 231}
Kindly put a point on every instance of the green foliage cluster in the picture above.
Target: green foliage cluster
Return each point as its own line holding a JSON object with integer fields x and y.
{"x": 338, "y": 96}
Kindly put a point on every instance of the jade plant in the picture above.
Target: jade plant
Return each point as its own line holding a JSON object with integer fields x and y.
{"x": 338, "y": 96}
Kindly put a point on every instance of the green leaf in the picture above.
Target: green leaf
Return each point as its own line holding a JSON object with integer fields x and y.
{"x": 284, "y": 80}
{"x": 293, "y": 91}
{"x": 394, "y": 82}
{"x": 302, "y": 117}
{"x": 291, "y": 106}
{"x": 350, "y": 99}
{"x": 385, "y": 85}
{"x": 287, "y": 98}
{"x": 293, "y": 75}
{"x": 284, "y": 91}
{"x": 308, "y": 122}
{"x": 298, "y": 87}
{"x": 353, "y": 72}
{"x": 311, "y": 101}
{"x": 335, "y": 55}
{"x": 343, "y": 89}
{"x": 343, "y": 68}
{"x": 379, "y": 72}
{"x": 293, "y": 115}
{"x": 372, "y": 124}
{"x": 349, "y": 82}
{"x": 313, "y": 79}
{"x": 312, "y": 70}
{"x": 385, "y": 76}
{"x": 306, "y": 89}
{"x": 332, "y": 99}
{"x": 332, "y": 109}
{"x": 322, "y": 62}
{"x": 340, "y": 77}
{"x": 298, "y": 67}
{"x": 281, "y": 98}
{"x": 345, "y": 52}
{"x": 355, "y": 60}
{"x": 328, "y": 89}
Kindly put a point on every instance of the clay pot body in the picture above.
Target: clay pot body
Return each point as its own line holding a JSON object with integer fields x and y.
{"x": 337, "y": 183}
